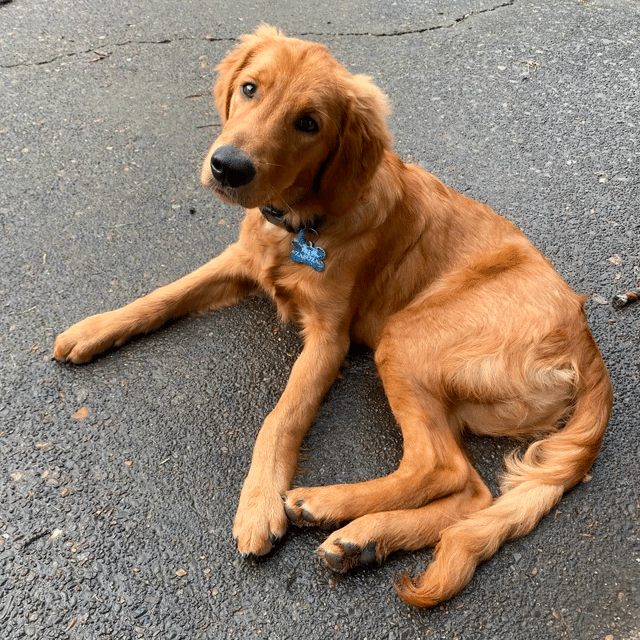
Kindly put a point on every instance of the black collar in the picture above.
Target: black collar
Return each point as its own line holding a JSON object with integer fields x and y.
{"x": 276, "y": 216}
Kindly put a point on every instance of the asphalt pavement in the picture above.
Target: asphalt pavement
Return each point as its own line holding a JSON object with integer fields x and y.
{"x": 119, "y": 479}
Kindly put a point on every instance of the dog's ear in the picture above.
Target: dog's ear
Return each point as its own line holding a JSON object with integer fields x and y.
{"x": 363, "y": 139}
{"x": 238, "y": 58}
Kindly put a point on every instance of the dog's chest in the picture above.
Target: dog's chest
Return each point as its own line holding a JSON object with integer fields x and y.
{"x": 288, "y": 286}
{"x": 283, "y": 279}
{"x": 295, "y": 287}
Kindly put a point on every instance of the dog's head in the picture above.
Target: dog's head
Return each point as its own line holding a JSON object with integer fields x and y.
{"x": 299, "y": 131}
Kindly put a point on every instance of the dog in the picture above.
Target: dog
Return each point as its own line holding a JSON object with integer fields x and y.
{"x": 470, "y": 325}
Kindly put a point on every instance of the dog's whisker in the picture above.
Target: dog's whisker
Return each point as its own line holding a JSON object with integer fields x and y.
{"x": 271, "y": 164}
{"x": 281, "y": 198}
{"x": 329, "y": 118}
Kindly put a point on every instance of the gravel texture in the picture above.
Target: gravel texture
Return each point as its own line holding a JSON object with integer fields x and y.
{"x": 119, "y": 479}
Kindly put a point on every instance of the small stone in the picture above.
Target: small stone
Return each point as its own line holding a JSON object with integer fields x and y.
{"x": 81, "y": 413}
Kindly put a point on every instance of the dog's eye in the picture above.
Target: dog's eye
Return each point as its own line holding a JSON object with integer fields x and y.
{"x": 307, "y": 124}
{"x": 248, "y": 89}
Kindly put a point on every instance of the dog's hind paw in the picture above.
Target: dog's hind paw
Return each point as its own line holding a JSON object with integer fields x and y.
{"x": 341, "y": 555}
{"x": 316, "y": 507}
{"x": 301, "y": 517}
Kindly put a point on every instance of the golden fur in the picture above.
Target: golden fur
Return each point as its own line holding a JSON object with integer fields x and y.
{"x": 471, "y": 326}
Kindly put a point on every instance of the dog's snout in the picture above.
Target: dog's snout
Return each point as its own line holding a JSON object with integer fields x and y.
{"x": 231, "y": 168}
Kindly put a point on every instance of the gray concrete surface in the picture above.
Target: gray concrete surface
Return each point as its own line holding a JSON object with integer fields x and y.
{"x": 119, "y": 479}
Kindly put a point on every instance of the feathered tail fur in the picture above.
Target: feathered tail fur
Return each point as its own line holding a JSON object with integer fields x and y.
{"x": 532, "y": 485}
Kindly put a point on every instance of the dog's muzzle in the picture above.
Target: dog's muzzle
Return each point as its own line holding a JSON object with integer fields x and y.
{"x": 231, "y": 168}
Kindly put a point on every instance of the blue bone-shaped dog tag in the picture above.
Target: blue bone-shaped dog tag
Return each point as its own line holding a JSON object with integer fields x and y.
{"x": 305, "y": 253}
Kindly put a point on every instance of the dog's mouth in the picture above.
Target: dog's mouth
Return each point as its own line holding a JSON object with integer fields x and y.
{"x": 278, "y": 217}
{"x": 274, "y": 215}
{"x": 224, "y": 193}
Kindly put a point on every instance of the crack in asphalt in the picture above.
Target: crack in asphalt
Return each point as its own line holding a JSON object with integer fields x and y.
{"x": 393, "y": 34}
{"x": 97, "y": 49}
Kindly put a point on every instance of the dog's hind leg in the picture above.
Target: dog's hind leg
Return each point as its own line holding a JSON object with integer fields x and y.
{"x": 223, "y": 281}
{"x": 372, "y": 537}
{"x": 432, "y": 466}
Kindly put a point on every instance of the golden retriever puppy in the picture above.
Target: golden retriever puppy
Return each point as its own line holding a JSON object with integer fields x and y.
{"x": 471, "y": 326}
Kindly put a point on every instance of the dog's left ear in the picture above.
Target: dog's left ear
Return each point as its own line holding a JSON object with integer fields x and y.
{"x": 363, "y": 139}
{"x": 236, "y": 60}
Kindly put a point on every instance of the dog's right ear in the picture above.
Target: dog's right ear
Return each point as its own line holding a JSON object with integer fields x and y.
{"x": 236, "y": 60}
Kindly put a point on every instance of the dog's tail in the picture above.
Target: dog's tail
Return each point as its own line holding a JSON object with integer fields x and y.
{"x": 531, "y": 487}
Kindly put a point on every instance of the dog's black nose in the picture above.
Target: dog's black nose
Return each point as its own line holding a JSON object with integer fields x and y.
{"x": 231, "y": 168}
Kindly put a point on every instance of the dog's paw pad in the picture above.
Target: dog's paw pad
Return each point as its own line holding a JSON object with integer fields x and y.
{"x": 299, "y": 514}
{"x": 308, "y": 520}
{"x": 334, "y": 561}
{"x": 341, "y": 556}
{"x": 296, "y": 515}
{"x": 307, "y": 516}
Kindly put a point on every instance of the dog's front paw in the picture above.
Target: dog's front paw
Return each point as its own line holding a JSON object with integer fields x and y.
{"x": 87, "y": 338}
{"x": 260, "y": 521}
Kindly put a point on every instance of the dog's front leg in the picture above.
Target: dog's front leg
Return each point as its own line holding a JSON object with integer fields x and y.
{"x": 223, "y": 281}
{"x": 261, "y": 518}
